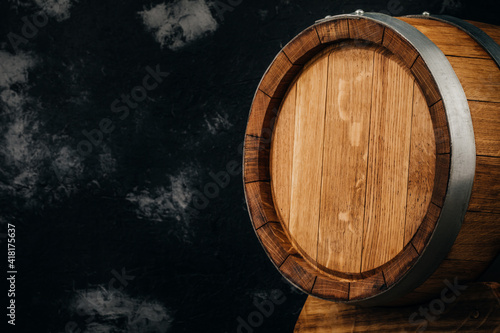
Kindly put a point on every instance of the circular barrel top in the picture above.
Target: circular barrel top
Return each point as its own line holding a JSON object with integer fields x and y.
{"x": 352, "y": 158}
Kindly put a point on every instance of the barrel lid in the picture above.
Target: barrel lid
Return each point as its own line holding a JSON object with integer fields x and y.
{"x": 352, "y": 158}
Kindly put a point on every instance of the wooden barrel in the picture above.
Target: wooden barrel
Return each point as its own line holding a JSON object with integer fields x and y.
{"x": 371, "y": 157}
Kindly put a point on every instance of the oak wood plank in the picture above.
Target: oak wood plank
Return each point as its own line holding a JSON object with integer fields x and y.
{"x": 260, "y": 203}
{"x": 303, "y": 47}
{"x": 441, "y": 131}
{"x": 400, "y": 46}
{"x": 256, "y": 162}
{"x": 330, "y": 289}
{"x": 479, "y": 238}
{"x": 425, "y": 229}
{"x": 261, "y": 119}
{"x": 364, "y": 288}
{"x": 332, "y": 30}
{"x": 282, "y": 156}
{"x": 441, "y": 179}
{"x": 388, "y": 162}
{"x": 486, "y": 188}
{"x": 480, "y": 78}
{"x": 451, "y": 40}
{"x": 425, "y": 81}
{"x": 366, "y": 30}
{"x": 486, "y": 123}
{"x": 296, "y": 269}
{"x": 345, "y": 154}
{"x": 401, "y": 264}
{"x": 278, "y": 76}
{"x": 422, "y": 165}
{"x": 308, "y": 155}
{"x": 275, "y": 242}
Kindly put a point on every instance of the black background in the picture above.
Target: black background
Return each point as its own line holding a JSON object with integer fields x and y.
{"x": 71, "y": 232}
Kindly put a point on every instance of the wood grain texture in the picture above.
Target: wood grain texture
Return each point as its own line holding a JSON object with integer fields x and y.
{"x": 275, "y": 242}
{"x": 440, "y": 125}
{"x": 330, "y": 289}
{"x": 486, "y": 188}
{"x": 451, "y": 41}
{"x": 400, "y": 265}
{"x": 486, "y": 122}
{"x": 278, "y": 76}
{"x": 367, "y": 287}
{"x": 425, "y": 81}
{"x": 400, "y": 46}
{"x": 282, "y": 156}
{"x": 491, "y": 30}
{"x": 344, "y": 158}
{"x": 388, "y": 160}
{"x": 422, "y": 165}
{"x": 263, "y": 111}
{"x": 260, "y": 203}
{"x": 303, "y": 47}
{"x": 478, "y": 238}
{"x": 480, "y": 78}
{"x": 307, "y": 156}
{"x": 297, "y": 270}
{"x": 441, "y": 179}
{"x": 474, "y": 67}
{"x": 333, "y": 31}
{"x": 366, "y": 30}
{"x": 424, "y": 231}
{"x": 477, "y": 309}
{"x": 256, "y": 163}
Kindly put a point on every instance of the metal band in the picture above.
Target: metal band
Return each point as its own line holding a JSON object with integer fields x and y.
{"x": 462, "y": 165}
{"x": 477, "y": 34}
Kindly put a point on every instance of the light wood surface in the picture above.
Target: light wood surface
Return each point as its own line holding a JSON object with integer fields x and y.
{"x": 451, "y": 40}
{"x": 346, "y": 139}
{"x": 307, "y": 155}
{"x": 479, "y": 78}
{"x": 388, "y": 160}
{"x": 422, "y": 165}
{"x": 282, "y": 155}
{"x": 343, "y": 184}
{"x": 486, "y": 120}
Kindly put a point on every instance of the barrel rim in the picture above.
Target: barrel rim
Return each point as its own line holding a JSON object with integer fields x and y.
{"x": 414, "y": 269}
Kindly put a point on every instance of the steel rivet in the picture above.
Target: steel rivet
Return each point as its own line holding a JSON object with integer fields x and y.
{"x": 426, "y": 13}
{"x": 359, "y": 12}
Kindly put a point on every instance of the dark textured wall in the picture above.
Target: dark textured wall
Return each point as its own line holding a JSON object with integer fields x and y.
{"x": 112, "y": 233}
